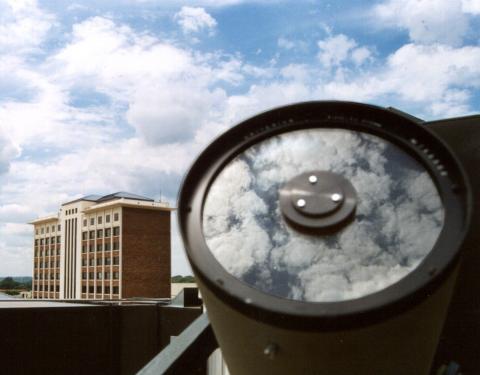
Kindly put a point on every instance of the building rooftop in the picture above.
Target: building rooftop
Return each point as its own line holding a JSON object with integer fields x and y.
{"x": 123, "y": 194}
{"x": 104, "y": 198}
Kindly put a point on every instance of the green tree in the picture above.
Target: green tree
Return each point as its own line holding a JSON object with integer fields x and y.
{"x": 8, "y": 283}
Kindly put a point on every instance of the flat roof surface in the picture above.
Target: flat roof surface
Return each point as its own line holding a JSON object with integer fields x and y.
{"x": 29, "y": 304}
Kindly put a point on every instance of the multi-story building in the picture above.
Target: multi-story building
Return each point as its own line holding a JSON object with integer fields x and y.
{"x": 103, "y": 247}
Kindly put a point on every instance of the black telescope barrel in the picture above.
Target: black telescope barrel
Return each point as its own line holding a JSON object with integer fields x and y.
{"x": 320, "y": 228}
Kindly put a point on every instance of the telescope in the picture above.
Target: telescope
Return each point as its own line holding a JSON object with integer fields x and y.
{"x": 326, "y": 238}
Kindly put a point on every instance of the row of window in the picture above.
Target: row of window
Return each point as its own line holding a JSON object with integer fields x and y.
{"x": 51, "y": 276}
{"x": 47, "y": 229}
{"x": 47, "y": 241}
{"x": 106, "y": 246}
{"x": 91, "y": 289}
{"x": 108, "y": 232}
{"x": 53, "y": 288}
{"x": 45, "y": 265}
{"x": 100, "y": 275}
{"x": 71, "y": 211}
{"x": 100, "y": 261}
{"x": 47, "y": 252}
{"x": 100, "y": 219}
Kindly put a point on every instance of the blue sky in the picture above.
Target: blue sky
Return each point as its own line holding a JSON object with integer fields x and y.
{"x": 97, "y": 97}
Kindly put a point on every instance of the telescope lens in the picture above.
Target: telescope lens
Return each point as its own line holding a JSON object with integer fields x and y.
{"x": 374, "y": 210}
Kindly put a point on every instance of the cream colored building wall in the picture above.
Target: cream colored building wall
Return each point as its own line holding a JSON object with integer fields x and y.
{"x": 178, "y": 287}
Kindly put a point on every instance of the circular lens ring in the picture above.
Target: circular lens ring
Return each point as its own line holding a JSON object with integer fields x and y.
{"x": 415, "y": 139}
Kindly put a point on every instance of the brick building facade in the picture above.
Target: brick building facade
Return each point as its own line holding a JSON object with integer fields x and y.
{"x": 110, "y": 247}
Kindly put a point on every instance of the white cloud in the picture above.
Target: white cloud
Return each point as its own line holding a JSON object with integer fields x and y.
{"x": 335, "y": 49}
{"x": 23, "y": 25}
{"x": 193, "y": 20}
{"x": 8, "y": 151}
{"x": 471, "y": 6}
{"x": 285, "y": 43}
{"x": 427, "y": 21}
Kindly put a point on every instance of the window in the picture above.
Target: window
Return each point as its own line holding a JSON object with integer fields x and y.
{"x": 91, "y": 275}
{"x": 115, "y": 275}
{"x": 91, "y": 261}
{"x": 52, "y": 240}
{"x": 99, "y": 220}
{"x": 116, "y": 246}
{"x": 36, "y": 252}
{"x": 107, "y": 218}
{"x": 108, "y": 261}
{"x": 107, "y": 290}
{"x": 41, "y": 252}
{"x": 99, "y": 261}
{"x": 84, "y": 289}
{"x": 99, "y": 276}
{"x": 36, "y": 241}
{"x": 92, "y": 234}
{"x": 84, "y": 248}
{"x": 52, "y": 264}
{"x": 35, "y": 287}
{"x": 115, "y": 290}
{"x": 58, "y": 263}
{"x": 107, "y": 246}
{"x": 99, "y": 247}
{"x": 57, "y": 288}
{"x": 41, "y": 241}
{"x": 76, "y": 210}
{"x": 100, "y": 233}
{"x": 84, "y": 222}
{"x": 58, "y": 251}
{"x": 36, "y": 276}
{"x": 90, "y": 289}
{"x": 92, "y": 221}
{"x": 41, "y": 288}
{"x": 41, "y": 276}
{"x": 46, "y": 252}
{"x": 115, "y": 216}
{"x": 47, "y": 241}
{"x": 57, "y": 275}
{"x": 108, "y": 232}
{"x": 52, "y": 277}
{"x": 107, "y": 275}
{"x": 58, "y": 227}
{"x": 90, "y": 248}
{"x": 84, "y": 276}
{"x": 58, "y": 239}
{"x": 116, "y": 231}
{"x": 115, "y": 261}
{"x": 84, "y": 236}
{"x": 84, "y": 262}
{"x": 99, "y": 289}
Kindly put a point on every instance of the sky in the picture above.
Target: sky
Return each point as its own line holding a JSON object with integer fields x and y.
{"x": 105, "y": 96}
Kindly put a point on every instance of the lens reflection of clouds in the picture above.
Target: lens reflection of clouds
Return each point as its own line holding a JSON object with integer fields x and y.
{"x": 399, "y": 217}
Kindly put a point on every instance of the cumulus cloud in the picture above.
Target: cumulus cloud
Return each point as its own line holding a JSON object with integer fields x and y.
{"x": 193, "y": 20}
{"x": 397, "y": 220}
{"x": 427, "y": 21}
{"x": 23, "y": 25}
{"x": 8, "y": 151}
{"x": 471, "y": 6}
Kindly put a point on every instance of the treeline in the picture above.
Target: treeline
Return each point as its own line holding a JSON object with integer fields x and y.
{"x": 13, "y": 287}
{"x": 183, "y": 279}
